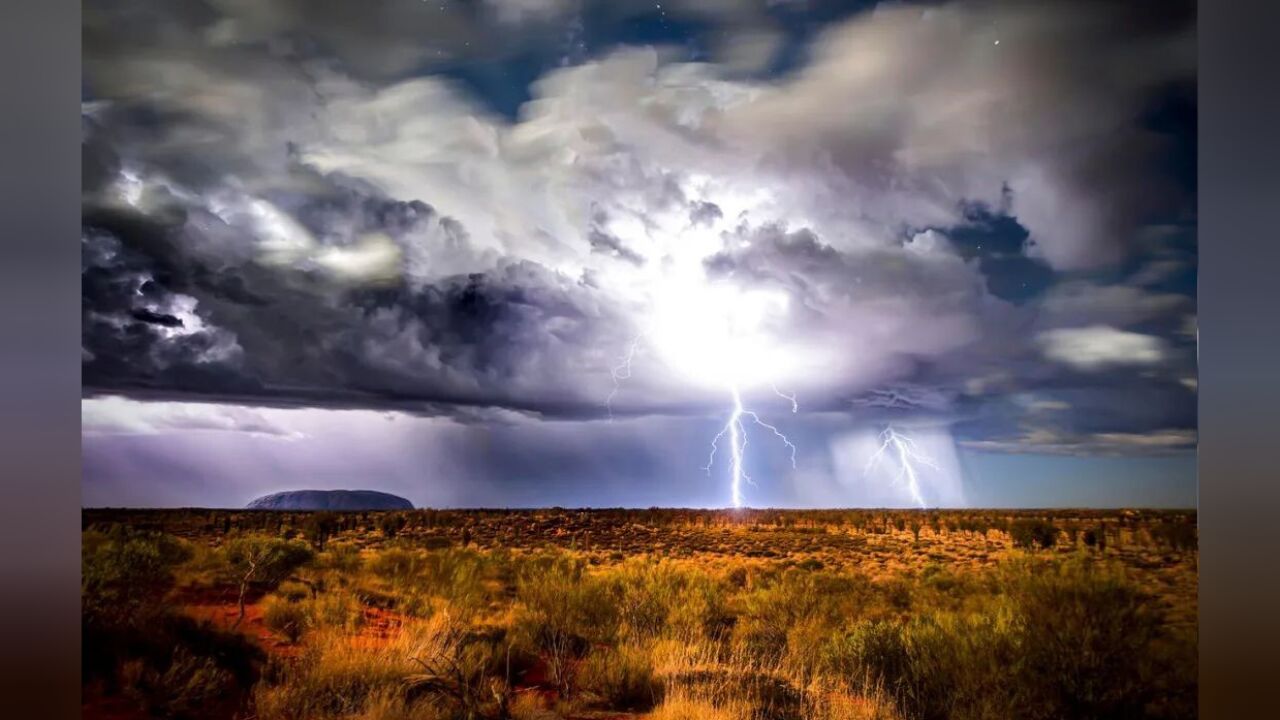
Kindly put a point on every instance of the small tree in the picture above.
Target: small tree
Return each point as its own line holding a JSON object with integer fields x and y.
{"x": 263, "y": 561}
{"x": 1029, "y": 532}
{"x": 320, "y": 526}
{"x": 391, "y": 524}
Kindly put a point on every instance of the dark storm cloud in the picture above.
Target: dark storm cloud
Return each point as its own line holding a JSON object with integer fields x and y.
{"x": 292, "y": 203}
{"x": 500, "y": 338}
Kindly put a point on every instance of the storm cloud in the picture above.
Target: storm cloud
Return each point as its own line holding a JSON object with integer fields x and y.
{"x": 307, "y": 205}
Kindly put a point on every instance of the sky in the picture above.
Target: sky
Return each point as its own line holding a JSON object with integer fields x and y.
{"x": 521, "y": 253}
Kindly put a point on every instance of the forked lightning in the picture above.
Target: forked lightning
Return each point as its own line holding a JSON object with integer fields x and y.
{"x": 908, "y": 457}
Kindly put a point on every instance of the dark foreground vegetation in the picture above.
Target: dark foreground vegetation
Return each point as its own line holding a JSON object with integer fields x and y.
{"x": 667, "y": 614}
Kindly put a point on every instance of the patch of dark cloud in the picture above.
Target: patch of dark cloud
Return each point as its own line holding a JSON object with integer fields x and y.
{"x": 703, "y": 213}
{"x": 155, "y": 318}
{"x": 603, "y": 242}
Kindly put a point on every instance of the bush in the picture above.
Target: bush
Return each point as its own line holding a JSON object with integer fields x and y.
{"x": 565, "y": 612}
{"x": 867, "y": 656}
{"x": 1073, "y": 640}
{"x": 337, "y": 676}
{"x": 769, "y": 612}
{"x": 399, "y": 565}
{"x": 343, "y": 557}
{"x": 620, "y": 679}
{"x": 263, "y": 561}
{"x": 187, "y": 686}
{"x": 1029, "y": 533}
{"x": 334, "y": 610}
{"x": 172, "y": 666}
{"x": 1088, "y": 642}
{"x": 1179, "y": 536}
{"x": 654, "y": 596}
{"x": 125, "y": 573}
{"x": 288, "y": 618}
{"x": 294, "y": 591}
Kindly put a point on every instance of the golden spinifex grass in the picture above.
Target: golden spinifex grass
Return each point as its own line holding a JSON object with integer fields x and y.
{"x": 678, "y": 615}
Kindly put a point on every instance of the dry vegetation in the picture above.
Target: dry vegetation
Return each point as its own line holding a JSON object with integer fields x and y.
{"x": 667, "y": 614}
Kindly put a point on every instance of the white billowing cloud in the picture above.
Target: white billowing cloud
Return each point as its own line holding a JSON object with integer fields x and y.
{"x": 1098, "y": 347}
{"x": 372, "y": 258}
{"x": 121, "y": 416}
{"x": 912, "y": 109}
{"x": 903, "y": 114}
{"x": 636, "y": 177}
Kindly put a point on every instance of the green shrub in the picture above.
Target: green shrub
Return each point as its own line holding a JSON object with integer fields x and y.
{"x": 125, "y": 573}
{"x": 457, "y": 575}
{"x": 867, "y": 655}
{"x": 1088, "y": 640}
{"x": 294, "y": 591}
{"x": 652, "y": 596}
{"x": 1029, "y": 532}
{"x": 1179, "y": 536}
{"x": 171, "y": 666}
{"x": 565, "y": 612}
{"x": 343, "y": 556}
{"x": 397, "y": 564}
{"x": 187, "y": 686}
{"x": 335, "y": 610}
{"x": 771, "y": 610}
{"x": 285, "y": 617}
{"x": 621, "y": 679}
{"x": 1069, "y": 640}
{"x": 263, "y": 561}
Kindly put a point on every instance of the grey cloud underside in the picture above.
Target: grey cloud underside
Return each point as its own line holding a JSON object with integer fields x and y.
{"x": 474, "y": 340}
{"x": 279, "y": 210}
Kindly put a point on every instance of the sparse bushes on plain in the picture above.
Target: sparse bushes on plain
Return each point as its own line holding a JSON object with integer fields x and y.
{"x": 1178, "y": 536}
{"x": 1074, "y": 640}
{"x": 399, "y": 630}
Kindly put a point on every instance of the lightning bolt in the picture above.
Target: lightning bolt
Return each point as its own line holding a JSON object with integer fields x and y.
{"x": 908, "y": 457}
{"x": 622, "y": 371}
{"x": 786, "y": 396}
{"x": 733, "y": 427}
{"x": 737, "y": 432}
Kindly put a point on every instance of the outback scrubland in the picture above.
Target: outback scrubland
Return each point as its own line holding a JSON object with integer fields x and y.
{"x": 664, "y": 614}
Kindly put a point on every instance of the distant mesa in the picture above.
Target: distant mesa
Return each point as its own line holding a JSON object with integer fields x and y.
{"x": 330, "y": 500}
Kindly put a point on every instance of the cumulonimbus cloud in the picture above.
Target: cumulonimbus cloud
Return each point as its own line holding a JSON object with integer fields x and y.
{"x": 271, "y": 220}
